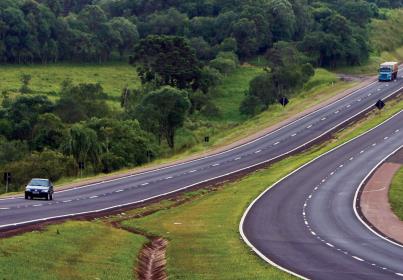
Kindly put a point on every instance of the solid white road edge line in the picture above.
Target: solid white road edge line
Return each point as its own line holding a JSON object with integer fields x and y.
{"x": 189, "y": 186}
{"x": 246, "y": 240}
{"x": 232, "y": 149}
{"x": 361, "y": 186}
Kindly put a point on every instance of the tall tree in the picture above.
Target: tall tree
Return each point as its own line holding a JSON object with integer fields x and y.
{"x": 167, "y": 60}
{"x": 163, "y": 112}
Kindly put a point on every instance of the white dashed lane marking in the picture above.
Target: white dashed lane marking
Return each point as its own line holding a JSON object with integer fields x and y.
{"x": 358, "y": 259}
{"x": 258, "y": 151}
{"x": 309, "y": 126}
{"x": 118, "y": 191}
{"x": 4, "y": 208}
{"x": 238, "y": 158}
{"x": 276, "y": 143}
{"x": 192, "y": 171}
{"x": 308, "y": 226}
{"x": 66, "y": 201}
{"x": 293, "y": 135}
{"x": 144, "y": 184}
{"x": 94, "y": 196}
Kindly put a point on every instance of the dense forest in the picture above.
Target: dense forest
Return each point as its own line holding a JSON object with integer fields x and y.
{"x": 180, "y": 49}
{"x": 330, "y": 31}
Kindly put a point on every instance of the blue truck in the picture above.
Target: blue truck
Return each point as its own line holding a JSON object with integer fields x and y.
{"x": 388, "y": 71}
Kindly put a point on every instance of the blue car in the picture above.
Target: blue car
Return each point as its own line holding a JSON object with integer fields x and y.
{"x": 42, "y": 188}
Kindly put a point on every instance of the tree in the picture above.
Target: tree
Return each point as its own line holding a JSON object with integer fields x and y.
{"x": 82, "y": 143}
{"x": 23, "y": 113}
{"x": 81, "y": 102}
{"x": 49, "y": 132}
{"x": 167, "y": 60}
{"x": 163, "y": 112}
{"x": 251, "y": 106}
{"x": 12, "y": 150}
{"x": 128, "y": 34}
{"x": 25, "y": 80}
{"x": 124, "y": 142}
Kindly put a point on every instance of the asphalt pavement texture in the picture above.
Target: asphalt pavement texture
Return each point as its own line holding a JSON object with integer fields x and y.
{"x": 137, "y": 188}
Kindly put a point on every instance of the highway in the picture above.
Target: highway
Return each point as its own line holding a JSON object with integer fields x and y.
{"x": 137, "y": 188}
{"x": 308, "y": 223}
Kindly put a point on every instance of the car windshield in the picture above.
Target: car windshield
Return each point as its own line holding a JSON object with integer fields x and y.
{"x": 385, "y": 69}
{"x": 38, "y": 182}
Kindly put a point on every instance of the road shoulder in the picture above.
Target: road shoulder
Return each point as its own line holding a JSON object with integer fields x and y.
{"x": 374, "y": 202}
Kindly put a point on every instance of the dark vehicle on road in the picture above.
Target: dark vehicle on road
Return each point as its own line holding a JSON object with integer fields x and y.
{"x": 42, "y": 188}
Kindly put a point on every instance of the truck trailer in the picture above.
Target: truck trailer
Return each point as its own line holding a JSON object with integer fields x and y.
{"x": 388, "y": 71}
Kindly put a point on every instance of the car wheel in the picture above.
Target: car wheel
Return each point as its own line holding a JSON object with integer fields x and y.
{"x": 26, "y": 196}
{"x": 50, "y": 196}
{"x": 47, "y": 196}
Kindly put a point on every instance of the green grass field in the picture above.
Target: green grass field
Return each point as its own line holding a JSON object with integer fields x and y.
{"x": 82, "y": 250}
{"x": 396, "y": 194}
{"x": 46, "y": 79}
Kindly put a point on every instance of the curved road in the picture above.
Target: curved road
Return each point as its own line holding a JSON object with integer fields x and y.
{"x": 308, "y": 223}
{"x": 138, "y": 188}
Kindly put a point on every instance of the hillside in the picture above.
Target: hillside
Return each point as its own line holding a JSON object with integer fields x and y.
{"x": 71, "y": 99}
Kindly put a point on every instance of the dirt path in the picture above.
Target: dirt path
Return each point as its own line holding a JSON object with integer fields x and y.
{"x": 375, "y": 205}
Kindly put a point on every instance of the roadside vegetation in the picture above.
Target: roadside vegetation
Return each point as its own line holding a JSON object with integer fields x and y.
{"x": 189, "y": 78}
{"x": 396, "y": 194}
{"x": 201, "y": 228}
{"x": 386, "y": 40}
{"x": 72, "y": 250}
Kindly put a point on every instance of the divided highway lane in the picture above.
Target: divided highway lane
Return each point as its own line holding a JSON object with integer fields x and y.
{"x": 307, "y": 223}
{"x": 137, "y": 188}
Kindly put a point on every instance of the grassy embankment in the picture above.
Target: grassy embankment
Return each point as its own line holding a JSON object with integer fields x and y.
{"x": 386, "y": 40}
{"x": 81, "y": 250}
{"x": 396, "y": 194}
{"x": 203, "y": 231}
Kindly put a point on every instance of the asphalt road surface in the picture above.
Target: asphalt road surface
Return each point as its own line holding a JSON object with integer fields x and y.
{"x": 138, "y": 188}
{"x": 308, "y": 223}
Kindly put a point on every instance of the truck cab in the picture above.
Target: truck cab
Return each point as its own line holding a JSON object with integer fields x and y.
{"x": 388, "y": 71}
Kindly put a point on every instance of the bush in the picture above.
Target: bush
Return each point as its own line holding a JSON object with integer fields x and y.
{"x": 224, "y": 65}
{"x": 251, "y": 106}
{"x": 48, "y": 164}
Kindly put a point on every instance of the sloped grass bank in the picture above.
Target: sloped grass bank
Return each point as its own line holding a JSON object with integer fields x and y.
{"x": 201, "y": 227}
{"x": 72, "y": 250}
{"x": 203, "y": 234}
{"x": 396, "y": 194}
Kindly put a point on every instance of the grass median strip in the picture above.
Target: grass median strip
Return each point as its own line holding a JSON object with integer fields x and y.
{"x": 201, "y": 228}
{"x": 204, "y": 242}
{"x": 396, "y": 194}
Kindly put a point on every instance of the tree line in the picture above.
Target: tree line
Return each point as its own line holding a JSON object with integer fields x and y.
{"x": 181, "y": 49}
{"x": 330, "y": 32}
